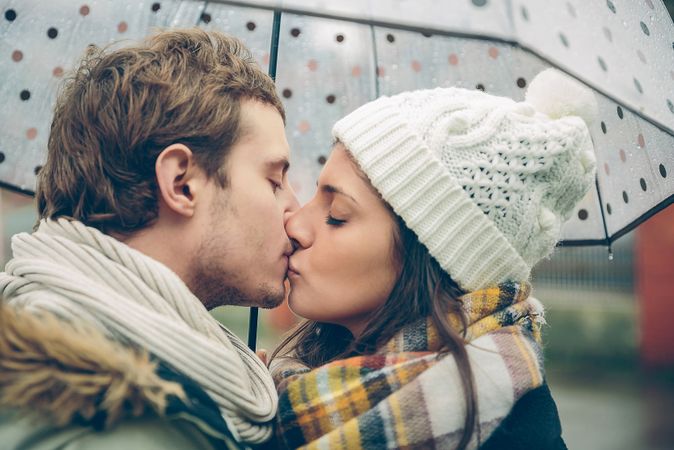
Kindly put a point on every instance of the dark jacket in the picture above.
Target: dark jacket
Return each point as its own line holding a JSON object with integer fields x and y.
{"x": 532, "y": 424}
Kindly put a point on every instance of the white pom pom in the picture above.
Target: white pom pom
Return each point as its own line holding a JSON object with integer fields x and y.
{"x": 458, "y": 122}
{"x": 547, "y": 220}
{"x": 558, "y": 95}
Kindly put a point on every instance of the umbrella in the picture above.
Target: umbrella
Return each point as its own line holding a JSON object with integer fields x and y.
{"x": 335, "y": 56}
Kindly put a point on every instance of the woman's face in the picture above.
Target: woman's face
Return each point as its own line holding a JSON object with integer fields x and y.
{"x": 344, "y": 267}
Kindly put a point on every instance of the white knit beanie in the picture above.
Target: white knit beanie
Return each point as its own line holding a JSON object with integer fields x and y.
{"x": 485, "y": 182}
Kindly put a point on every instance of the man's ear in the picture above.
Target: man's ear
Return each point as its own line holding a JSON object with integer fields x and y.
{"x": 178, "y": 178}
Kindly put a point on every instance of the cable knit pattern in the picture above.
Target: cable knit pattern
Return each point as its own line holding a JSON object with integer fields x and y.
{"x": 81, "y": 274}
{"x": 484, "y": 181}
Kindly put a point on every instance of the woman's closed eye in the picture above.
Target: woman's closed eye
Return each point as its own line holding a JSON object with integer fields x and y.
{"x": 333, "y": 221}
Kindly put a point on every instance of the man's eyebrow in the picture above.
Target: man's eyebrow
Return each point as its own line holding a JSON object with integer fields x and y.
{"x": 330, "y": 189}
{"x": 281, "y": 163}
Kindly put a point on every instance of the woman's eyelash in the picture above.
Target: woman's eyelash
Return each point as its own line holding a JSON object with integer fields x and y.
{"x": 334, "y": 222}
{"x": 276, "y": 185}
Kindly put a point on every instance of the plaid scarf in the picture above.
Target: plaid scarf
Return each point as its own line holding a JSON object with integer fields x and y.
{"x": 409, "y": 394}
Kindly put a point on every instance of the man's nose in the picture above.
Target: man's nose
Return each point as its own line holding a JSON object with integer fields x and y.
{"x": 292, "y": 206}
{"x": 298, "y": 228}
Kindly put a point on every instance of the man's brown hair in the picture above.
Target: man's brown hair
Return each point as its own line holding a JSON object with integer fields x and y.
{"x": 122, "y": 107}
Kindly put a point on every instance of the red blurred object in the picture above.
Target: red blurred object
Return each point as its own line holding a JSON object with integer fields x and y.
{"x": 655, "y": 278}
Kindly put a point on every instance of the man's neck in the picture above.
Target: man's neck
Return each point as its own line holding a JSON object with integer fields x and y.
{"x": 161, "y": 246}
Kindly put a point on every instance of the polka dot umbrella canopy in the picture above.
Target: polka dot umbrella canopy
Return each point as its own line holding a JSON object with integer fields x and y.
{"x": 334, "y": 56}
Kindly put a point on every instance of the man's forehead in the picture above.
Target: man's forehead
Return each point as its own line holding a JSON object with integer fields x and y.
{"x": 257, "y": 114}
{"x": 262, "y": 134}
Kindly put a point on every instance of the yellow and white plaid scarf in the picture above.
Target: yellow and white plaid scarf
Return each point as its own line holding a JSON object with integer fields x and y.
{"x": 408, "y": 394}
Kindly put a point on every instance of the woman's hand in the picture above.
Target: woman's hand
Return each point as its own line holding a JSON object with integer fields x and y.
{"x": 262, "y": 354}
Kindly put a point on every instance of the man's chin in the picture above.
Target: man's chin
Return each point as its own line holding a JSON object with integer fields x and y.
{"x": 214, "y": 294}
{"x": 270, "y": 301}
{"x": 264, "y": 297}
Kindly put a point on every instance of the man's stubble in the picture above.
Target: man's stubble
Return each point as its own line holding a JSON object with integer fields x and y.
{"x": 216, "y": 283}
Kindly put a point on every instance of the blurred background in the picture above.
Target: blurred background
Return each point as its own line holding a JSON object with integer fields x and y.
{"x": 609, "y": 340}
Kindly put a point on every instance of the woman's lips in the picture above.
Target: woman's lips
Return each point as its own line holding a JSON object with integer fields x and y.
{"x": 292, "y": 271}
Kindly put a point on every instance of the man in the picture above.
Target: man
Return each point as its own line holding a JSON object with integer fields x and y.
{"x": 164, "y": 194}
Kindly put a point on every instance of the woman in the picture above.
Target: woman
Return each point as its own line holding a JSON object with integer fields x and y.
{"x": 412, "y": 264}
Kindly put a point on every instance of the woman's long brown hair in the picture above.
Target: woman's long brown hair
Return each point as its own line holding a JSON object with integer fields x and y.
{"x": 423, "y": 289}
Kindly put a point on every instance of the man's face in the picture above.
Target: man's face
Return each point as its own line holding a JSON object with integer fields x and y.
{"x": 242, "y": 258}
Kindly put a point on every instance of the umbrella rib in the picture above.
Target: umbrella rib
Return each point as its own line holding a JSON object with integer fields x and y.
{"x": 16, "y": 189}
{"x": 203, "y": 10}
{"x": 601, "y": 210}
{"x": 584, "y": 242}
{"x": 621, "y": 232}
{"x": 376, "y": 61}
{"x": 371, "y": 22}
{"x": 642, "y": 218}
{"x": 273, "y": 60}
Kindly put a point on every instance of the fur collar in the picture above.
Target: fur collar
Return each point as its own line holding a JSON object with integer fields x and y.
{"x": 73, "y": 373}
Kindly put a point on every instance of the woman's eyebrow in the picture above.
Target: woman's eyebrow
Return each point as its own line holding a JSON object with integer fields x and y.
{"x": 330, "y": 189}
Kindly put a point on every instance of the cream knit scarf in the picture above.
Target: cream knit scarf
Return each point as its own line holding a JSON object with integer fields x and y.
{"x": 81, "y": 274}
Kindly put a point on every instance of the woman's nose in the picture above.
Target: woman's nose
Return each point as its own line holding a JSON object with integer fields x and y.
{"x": 298, "y": 228}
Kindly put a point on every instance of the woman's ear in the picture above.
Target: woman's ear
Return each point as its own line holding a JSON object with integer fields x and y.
{"x": 178, "y": 179}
